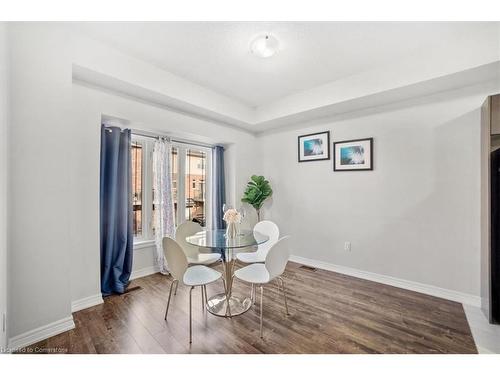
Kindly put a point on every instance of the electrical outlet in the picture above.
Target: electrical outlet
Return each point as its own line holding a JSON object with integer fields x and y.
{"x": 347, "y": 246}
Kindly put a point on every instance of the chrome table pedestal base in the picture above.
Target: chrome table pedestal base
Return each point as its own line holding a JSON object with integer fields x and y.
{"x": 218, "y": 242}
{"x": 217, "y": 305}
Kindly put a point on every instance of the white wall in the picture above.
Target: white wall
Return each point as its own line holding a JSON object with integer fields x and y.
{"x": 3, "y": 176}
{"x": 415, "y": 217}
{"x": 486, "y": 148}
{"x": 40, "y": 200}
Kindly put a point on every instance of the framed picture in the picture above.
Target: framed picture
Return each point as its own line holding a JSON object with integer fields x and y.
{"x": 313, "y": 147}
{"x": 353, "y": 155}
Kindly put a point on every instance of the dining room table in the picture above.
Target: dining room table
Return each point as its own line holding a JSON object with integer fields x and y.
{"x": 218, "y": 241}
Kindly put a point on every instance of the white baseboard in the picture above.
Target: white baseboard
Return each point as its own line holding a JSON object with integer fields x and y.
{"x": 66, "y": 324}
{"x": 41, "y": 333}
{"x": 146, "y": 271}
{"x": 431, "y": 290}
{"x": 85, "y": 303}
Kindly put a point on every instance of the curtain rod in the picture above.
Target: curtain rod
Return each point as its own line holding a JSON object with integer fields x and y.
{"x": 147, "y": 134}
{"x": 143, "y": 133}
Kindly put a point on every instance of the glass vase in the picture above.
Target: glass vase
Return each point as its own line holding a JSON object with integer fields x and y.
{"x": 231, "y": 230}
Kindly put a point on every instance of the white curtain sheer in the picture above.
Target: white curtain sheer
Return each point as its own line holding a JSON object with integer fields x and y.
{"x": 163, "y": 199}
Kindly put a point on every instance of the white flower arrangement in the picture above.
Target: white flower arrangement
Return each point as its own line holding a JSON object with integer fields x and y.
{"x": 232, "y": 216}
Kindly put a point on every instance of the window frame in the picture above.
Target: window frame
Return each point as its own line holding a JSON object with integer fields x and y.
{"x": 147, "y": 143}
{"x": 182, "y": 149}
{"x": 143, "y": 188}
{"x": 148, "y": 188}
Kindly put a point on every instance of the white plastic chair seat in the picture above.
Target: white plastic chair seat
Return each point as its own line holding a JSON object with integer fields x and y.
{"x": 255, "y": 273}
{"x": 200, "y": 275}
{"x": 271, "y": 230}
{"x": 253, "y": 257}
{"x": 201, "y": 258}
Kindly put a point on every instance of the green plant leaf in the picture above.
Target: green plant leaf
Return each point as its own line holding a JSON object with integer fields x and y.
{"x": 257, "y": 191}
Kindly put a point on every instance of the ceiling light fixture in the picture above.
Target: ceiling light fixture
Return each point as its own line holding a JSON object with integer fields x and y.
{"x": 264, "y": 46}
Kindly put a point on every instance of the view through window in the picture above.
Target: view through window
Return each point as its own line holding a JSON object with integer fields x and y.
{"x": 174, "y": 171}
{"x": 137, "y": 187}
{"x": 195, "y": 177}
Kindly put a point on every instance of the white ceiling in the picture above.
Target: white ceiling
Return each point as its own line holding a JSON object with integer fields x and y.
{"x": 217, "y": 55}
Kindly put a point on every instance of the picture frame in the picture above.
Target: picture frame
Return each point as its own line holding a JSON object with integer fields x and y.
{"x": 353, "y": 155}
{"x": 313, "y": 147}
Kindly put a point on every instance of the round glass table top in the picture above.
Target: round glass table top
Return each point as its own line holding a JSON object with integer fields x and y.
{"x": 217, "y": 239}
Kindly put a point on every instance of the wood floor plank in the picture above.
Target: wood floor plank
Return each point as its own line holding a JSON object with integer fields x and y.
{"x": 329, "y": 313}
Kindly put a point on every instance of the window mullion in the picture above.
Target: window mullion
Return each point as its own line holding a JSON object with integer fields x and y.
{"x": 208, "y": 191}
{"x": 148, "y": 190}
{"x": 181, "y": 188}
{"x": 138, "y": 189}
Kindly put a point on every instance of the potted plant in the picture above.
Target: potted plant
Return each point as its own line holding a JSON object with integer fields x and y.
{"x": 257, "y": 191}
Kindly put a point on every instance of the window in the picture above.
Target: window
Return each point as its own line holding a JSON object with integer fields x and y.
{"x": 137, "y": 178}
{"x": 195, "y": 171}
{"x": 174, "y": 172}
{"x": 189, "y": 174}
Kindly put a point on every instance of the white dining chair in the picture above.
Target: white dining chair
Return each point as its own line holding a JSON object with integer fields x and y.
{"x": 263, "y": 273}
{"x": 193, "y": 276}
{"x": 193, "y": 252}
{"x": 271, "y": 230}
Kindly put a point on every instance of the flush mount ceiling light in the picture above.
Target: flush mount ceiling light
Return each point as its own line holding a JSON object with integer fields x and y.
{"x": 264, "y": 46}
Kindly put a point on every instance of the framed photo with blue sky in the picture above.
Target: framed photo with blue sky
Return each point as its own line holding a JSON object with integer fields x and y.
{"x": 353, "y": 155}
{"x": 314, "y": 147}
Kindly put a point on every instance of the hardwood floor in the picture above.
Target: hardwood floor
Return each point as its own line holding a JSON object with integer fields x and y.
{"x": 329, "y": 313}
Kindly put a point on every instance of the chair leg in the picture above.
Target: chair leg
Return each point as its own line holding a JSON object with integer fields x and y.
{"x": 169, "y": 295}
{"x": 190, "y": 315}
{"x": 206, "y": 298}
{"x": 284, "y": 294}
{"x": 261, "y": 298}
{"x": 228, "y": 308}
{"x": 252, "y": 295}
